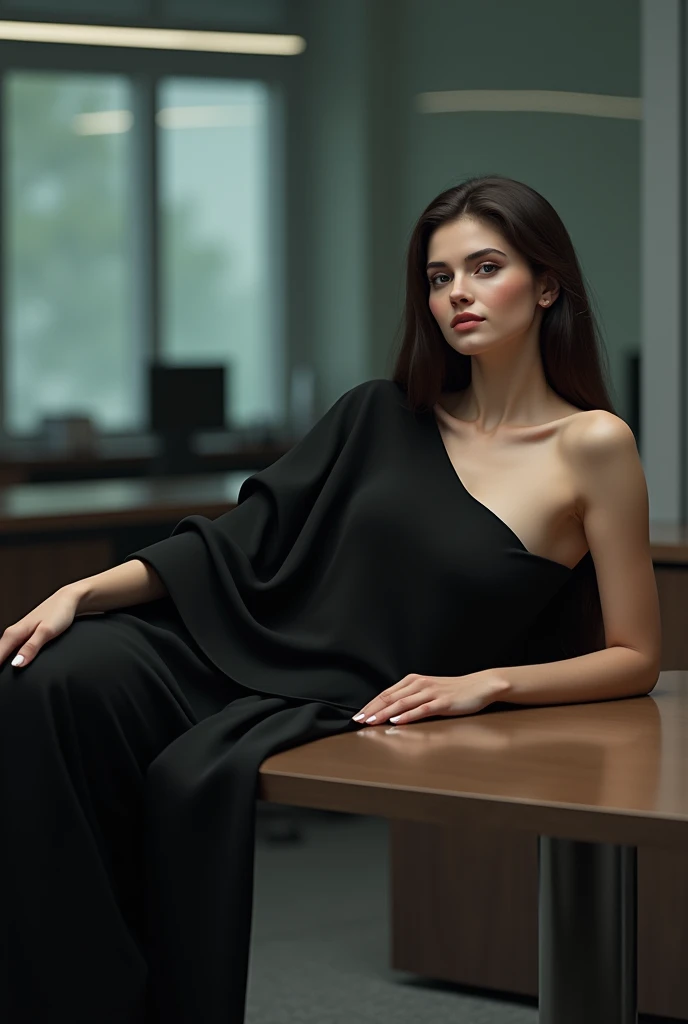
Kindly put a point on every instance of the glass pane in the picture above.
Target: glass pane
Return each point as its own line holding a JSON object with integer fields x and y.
{"x": 221, "y": 272}
{"x": 68, "y": 314}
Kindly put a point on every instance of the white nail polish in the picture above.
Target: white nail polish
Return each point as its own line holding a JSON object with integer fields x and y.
{"x": 371, "y": 719}
{"x": 357, "y": 718}
{"x": 19, "y": 660}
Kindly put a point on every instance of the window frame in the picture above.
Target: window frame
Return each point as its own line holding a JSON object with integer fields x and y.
{"x": 145, "y": 69}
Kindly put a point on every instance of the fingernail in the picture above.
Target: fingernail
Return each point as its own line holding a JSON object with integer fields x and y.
{"x": 19, "y": 660}
{"x": 371, "y": 719}
{"x": 357, "y": 718}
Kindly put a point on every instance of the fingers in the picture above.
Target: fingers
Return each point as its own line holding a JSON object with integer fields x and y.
{"x": 398, "y": 702}
{"x": 427, "y": 709}
{"x": 9, "y": 642}
{"x": 30, "y": 648}
{"x": 28, "y": 651}
{"x": 383, "y": 700}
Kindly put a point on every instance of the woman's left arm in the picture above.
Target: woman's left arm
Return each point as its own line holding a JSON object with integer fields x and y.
{"x": 615, "y": 512}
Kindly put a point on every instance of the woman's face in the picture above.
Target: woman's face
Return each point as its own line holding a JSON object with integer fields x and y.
{"x": 497, "y": 286}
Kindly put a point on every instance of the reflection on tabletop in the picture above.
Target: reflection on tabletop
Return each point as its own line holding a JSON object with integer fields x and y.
{"x": 606, "y": 753}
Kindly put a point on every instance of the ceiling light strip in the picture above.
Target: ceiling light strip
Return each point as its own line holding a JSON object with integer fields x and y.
{"x": 152, "y": 38}
{"x": 530, "y": 101}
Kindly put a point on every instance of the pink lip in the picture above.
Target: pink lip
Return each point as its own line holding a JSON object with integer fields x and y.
{"x": 477, "y": 319}
{"x": 465, "y": 325}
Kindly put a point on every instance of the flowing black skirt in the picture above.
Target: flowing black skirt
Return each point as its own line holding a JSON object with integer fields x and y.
{"x": 128, "y": 784}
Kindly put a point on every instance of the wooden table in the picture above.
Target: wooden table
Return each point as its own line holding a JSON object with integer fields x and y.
{"x": 589, "y": 782}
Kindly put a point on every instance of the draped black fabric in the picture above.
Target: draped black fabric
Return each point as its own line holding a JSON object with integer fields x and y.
{"x": 355, "y": 559}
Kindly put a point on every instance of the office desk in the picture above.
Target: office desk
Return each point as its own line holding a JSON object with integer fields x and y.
{"x": 54, "y": 533}
{"x": 585, "y": 784}
{"x": 30, "y": 509}
{"x": 488, "y": 879}
{"x": 132, "y": 457}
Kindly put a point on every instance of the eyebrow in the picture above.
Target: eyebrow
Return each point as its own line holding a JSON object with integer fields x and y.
{"x": 471, "y": 256}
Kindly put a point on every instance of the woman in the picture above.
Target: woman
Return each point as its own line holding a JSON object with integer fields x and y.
{"x": 427, "y": 537}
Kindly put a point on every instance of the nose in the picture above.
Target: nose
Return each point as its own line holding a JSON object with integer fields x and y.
{"x": 459, "y": 289}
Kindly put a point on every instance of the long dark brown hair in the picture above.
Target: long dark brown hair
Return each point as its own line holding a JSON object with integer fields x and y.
{"x": 574, "y": 360}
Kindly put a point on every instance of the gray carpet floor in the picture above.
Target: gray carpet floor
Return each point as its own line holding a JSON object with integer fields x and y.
{"x": 320, "y": 937}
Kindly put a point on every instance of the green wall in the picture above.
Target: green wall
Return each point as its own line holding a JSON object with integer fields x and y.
{"x": 367, "y": 61}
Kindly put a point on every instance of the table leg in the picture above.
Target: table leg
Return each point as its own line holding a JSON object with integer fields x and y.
{"x": 587, "y": 939}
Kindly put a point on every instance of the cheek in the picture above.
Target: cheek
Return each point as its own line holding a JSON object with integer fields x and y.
{"x": 435, "y": 305}
{"x": 508, "y": 293}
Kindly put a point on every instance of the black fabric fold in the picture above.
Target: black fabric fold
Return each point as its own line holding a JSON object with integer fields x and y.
{"x": 257, "y": 586}
{"x": 354, "y": 560}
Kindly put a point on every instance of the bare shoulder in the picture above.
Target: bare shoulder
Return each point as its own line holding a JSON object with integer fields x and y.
{"x": 593, "y": 435}
{"x": 601, "y": 452}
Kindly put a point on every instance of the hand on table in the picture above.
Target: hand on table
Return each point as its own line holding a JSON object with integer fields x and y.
{"x": 415, "y": 697}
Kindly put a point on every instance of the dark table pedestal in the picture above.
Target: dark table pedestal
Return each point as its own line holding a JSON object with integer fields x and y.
{"x": 587, "y": 946}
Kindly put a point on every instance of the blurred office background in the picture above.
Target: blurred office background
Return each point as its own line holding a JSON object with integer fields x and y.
{"x": 250, "y": 212}
{"x": 254, "y": 209}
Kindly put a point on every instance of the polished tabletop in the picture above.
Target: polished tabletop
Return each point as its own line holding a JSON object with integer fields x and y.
{"x": 610, "y": 771}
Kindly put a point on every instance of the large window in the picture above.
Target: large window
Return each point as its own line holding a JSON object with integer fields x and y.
{"x": 67, "y": 286}
{"x": 74, "y": 334}
{"x": 220, "y": 276}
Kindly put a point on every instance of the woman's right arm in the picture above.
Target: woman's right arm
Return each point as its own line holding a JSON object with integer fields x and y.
{"x": 132, "y": 582}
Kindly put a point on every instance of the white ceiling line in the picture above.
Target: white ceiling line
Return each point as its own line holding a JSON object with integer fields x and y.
{"x": 540, "y": 101}
{"x": 152, "y": 38}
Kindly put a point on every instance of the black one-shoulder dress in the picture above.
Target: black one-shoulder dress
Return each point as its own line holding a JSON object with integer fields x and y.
{"x": 130, "y": 747}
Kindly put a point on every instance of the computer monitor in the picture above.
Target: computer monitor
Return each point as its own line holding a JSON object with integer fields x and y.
{"x": 183, "y": 400}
